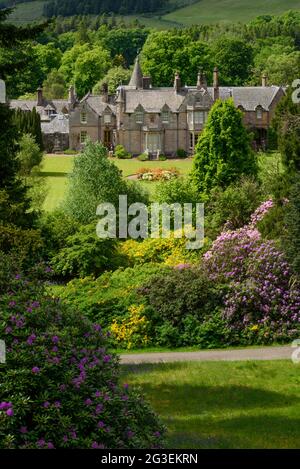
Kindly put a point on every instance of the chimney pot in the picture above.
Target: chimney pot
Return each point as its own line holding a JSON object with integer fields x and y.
{"x": 40, "y": 98}
{"x": 177, "y": 83}
{"x": 216, "y": 84}
{"x": 264, "y": 80}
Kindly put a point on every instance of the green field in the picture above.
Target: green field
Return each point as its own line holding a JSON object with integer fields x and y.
{"x": 55, "y": 171}
{"x": 212, "y": 11}
{"x": 203, "y": 11}
{"x": 224, "y": 404}
{"x": 27, "y": 12}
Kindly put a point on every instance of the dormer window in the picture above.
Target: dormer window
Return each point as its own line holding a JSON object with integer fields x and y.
{"x": 259, "y": 113}
{"x": 83, "y": 117}
{"x": 107, "y": 118}
{"x": 139, "y": 117}
{"x": 200, "y": 117}
{"x": 165, "y": 117}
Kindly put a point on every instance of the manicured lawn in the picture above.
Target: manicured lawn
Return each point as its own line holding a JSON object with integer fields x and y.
{"x": 56, "y": 168}
{"x": 224, "y": 404}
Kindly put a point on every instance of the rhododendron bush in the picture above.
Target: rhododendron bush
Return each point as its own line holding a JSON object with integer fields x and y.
{"x": 60, "y": 384}
{"x": 263, "y": 301}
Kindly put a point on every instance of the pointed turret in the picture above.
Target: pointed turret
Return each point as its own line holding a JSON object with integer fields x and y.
{"x": 136, "y": 80}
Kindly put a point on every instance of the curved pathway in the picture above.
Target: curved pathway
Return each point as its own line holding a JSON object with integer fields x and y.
{"x": 262, "y": 353}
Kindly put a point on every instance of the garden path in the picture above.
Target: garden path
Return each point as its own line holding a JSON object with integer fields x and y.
{"x": 262, "y": 353}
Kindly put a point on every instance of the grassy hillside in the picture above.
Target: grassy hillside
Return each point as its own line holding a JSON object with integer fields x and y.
{"x": 27, "y": 12}
{"x": 211, "y": 11}
{"x": 203, "y": 11}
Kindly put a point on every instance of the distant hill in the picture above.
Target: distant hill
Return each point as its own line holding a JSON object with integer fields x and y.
{"x": 212, "y": 11}
{"x": 203, "y": 11}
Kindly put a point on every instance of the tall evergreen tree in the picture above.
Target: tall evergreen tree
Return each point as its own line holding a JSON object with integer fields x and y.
{"x": 223, "y": 153}
{"x": 287, "y": 125}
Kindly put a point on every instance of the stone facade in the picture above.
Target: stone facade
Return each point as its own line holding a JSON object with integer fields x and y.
{"x": 143, "y": 118}
{"x": 163, "y": 120}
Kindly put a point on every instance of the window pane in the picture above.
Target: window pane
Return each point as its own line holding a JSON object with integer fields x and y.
{"x": 83, "y": 136}
{"x": 139, "y": 117}
{"x": 83, "y": 118}
{"x": 107, "y": 118}
{"x": 198, "y": 117}
{"x": 165, "y": 116}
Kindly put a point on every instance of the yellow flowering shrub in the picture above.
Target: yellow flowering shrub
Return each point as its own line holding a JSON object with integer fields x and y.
{"x": 132, "y": 331}
{"x": 170, "y": 251}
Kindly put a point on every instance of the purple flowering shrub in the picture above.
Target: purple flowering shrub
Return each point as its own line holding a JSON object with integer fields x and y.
{"x": 60, "y": 384}
{"x": 263, "y": 302}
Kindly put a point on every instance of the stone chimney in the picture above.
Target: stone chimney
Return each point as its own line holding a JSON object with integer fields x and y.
{"x": 71, "y": 97}
{"x": 146, "y": 83}
{"x": 105, "y": 93}
{"x": 216, "y": 93}
{"x": 177, "y": 83}
{"x": 201, "y": 80}
{"x": 40, "y": 98}
{"x": 264, "y": 80}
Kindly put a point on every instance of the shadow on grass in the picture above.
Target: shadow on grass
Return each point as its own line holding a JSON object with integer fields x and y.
{"x": 244, "y": 431}
{"x": 52, "y": 174}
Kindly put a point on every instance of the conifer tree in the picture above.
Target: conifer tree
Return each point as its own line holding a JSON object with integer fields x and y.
{"x": 223, "y": 153}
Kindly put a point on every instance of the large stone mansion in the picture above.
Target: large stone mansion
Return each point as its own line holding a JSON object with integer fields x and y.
{"x": 144, "y": 118}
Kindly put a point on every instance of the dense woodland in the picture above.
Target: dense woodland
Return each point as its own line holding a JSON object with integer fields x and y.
{"x": 87, "y": 50}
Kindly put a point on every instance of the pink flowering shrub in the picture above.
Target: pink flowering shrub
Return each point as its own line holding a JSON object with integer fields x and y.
{"x": 263, "y": 302}
{"x": 60, "y": 383}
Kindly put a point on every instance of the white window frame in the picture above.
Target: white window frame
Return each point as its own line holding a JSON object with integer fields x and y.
{"x": 165, "y": 117}
{"x": 107, "y": 118}
{"x": 83, "y": 137}
{"x": 83, "y": 117}
{"x": 199, "y": 117}
{"x": 259, "y": 113}
{"x": 139, "y": 117}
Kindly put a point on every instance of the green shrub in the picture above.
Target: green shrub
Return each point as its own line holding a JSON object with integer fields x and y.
{"x": 60, "y": 384}
{"x": 69, "y": 151}
{"x": 55, "y": 228}
{"x": 177, "y": 190}
{"x": 162, "y": 158}
{"x": 85, "y": 254}
{"x": 181, "y": 153}
{"x": 232, "y": 206}
{"x": 96, "y": 179}
{"x": 27, "y": 245}
{"x": 121, "y": 153}
{"x": 109, "y": 297}
{"x": 143, "y": 157}
{"x": 184, "y": 291}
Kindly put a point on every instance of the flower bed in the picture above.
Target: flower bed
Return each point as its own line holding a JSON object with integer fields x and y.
{"x": 157, "y": 174}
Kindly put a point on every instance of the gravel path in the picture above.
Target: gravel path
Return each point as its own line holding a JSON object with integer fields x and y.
{"x": 263, "y": 353}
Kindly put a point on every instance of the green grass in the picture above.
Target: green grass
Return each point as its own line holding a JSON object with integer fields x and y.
{"x": 27, "y": 12}
{"x": 229, "y": 11}
{"x": 56, "y": 168}
{"x": 224, "y": 404}
{"x": 201, "y": 12}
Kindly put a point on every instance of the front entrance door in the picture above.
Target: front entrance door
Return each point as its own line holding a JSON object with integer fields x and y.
{"x": 152, "y": 143}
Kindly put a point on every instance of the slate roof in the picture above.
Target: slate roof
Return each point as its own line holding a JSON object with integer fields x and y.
{"x": 28, "y": 104}
{"x": 59, "y": 124}
{"x": 250, "y": 97}
{"x": 153, "y": 100}
{"x": 96, "y": 103}
{"x": 136, "y": 80}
